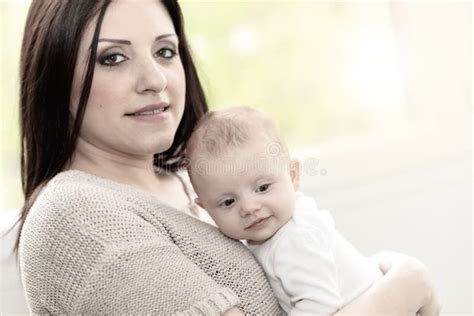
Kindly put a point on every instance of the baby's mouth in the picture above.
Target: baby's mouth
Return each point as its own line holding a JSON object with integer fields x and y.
{"x": 257, "y": 223}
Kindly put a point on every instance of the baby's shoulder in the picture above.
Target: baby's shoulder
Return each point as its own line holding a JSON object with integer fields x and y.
{"x": 301, "y": 233}
{"x": 308, "y": 215}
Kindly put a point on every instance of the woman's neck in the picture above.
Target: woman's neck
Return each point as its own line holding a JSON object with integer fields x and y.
{"x": 137, "y": 171}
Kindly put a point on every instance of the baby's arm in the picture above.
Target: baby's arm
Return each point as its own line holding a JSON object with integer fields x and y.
{"x": 305, "y": 267}
{"x": 406, "y": 288}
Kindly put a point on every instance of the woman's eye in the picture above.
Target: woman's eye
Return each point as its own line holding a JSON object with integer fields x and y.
{"x": 166, "y": 53}
{"x": 228, "y": 202}
{"x": 113, "y": 59}
{"x": 263, "y": 187}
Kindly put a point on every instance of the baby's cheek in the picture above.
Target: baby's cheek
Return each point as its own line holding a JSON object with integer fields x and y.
{"x": 229, "y": 229}
{"x": 221, "y": 223}
{"x": 289, "y": 208}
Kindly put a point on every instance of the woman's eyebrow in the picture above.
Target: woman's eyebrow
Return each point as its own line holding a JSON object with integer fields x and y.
{"x": 127, "y": 42}
{"x": 164, "y": 36}
{"x": 118, "y": 41}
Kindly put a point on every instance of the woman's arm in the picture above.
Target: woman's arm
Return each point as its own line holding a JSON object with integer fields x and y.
{"x": 406, "y": 288}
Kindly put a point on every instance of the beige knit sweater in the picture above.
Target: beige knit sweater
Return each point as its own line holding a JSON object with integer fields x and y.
{"x": 94, "y": 246}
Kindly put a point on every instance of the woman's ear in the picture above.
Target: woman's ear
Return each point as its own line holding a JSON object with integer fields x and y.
{"x": 295, "y": 173}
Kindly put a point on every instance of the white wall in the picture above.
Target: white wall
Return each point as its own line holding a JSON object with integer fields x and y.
{"x": 408, "y": 190}
{"x": 12, "y": 300}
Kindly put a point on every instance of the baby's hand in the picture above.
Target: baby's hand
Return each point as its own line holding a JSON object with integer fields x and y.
{"x": 432, "y": 307}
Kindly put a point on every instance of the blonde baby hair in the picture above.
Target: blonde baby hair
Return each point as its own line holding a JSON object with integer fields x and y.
{"x": 230, "y": 128}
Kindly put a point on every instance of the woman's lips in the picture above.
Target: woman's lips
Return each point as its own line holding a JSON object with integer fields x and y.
{"x": 161, "y": 106}
{"x": 153, "y": 112}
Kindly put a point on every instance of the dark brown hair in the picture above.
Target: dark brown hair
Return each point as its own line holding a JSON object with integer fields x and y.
{"x": 53, "y": 32}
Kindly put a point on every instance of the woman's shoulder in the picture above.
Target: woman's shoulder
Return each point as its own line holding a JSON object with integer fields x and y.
{"x": 73, "y": 184}
{"x": 103, "y": 209}
{"x": 78, "y": 206}
{"x": 78, "y": 191}
{"x": 78, "y": 183}
{"x": 75, "y": 202}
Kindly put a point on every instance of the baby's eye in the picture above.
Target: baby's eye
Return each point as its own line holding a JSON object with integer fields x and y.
{"x": 166, "y": 53}
{"x": 228, "y": 202}
{"x": 112, "y": 59}
{"x": 263, "y": 187}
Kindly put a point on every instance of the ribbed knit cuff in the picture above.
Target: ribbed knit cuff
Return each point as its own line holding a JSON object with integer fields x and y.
{"x": 215, "y": 304}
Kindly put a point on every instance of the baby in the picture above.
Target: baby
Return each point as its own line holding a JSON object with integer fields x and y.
{"x": 243, "y": 176}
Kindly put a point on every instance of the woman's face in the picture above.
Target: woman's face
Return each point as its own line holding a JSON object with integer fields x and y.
{"x": 138, "y": 90}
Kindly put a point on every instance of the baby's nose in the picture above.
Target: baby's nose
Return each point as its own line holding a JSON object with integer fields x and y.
{"x": 249, "y": 207}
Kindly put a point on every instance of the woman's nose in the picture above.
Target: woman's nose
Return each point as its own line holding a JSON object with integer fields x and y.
{"x": 151, "y": 77}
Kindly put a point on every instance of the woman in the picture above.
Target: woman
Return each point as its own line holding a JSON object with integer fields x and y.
{"x": 109, "y": 97}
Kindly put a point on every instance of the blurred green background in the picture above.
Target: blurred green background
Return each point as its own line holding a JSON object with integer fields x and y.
{"x": 324, "y": 70}
{"x": 12, "y": 17}
{"x": 240, "y": 60}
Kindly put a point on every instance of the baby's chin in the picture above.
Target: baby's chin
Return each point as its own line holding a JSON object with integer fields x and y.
{"x": 250, "y": 238}
{"x": 244, "y": 239}
{"x": 255, "y": 242}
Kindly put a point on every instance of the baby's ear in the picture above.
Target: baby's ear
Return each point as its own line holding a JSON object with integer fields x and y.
{"x": 196, "y": 200}
{"x": 295, "y": 173}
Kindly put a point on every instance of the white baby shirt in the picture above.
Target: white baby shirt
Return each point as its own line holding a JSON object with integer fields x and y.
{"x": 313, "y": 270}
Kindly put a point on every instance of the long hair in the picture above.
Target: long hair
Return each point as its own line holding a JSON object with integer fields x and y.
{"x": 53, "y": 32}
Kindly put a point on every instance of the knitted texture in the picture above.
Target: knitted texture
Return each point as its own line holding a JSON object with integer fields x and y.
{"x": 90, "y": 245}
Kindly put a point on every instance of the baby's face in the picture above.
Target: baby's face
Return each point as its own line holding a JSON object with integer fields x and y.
{"x": 249, "y": 192}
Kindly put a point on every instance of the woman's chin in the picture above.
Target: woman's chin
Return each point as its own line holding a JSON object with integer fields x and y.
{"x": 163, "y": 146}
